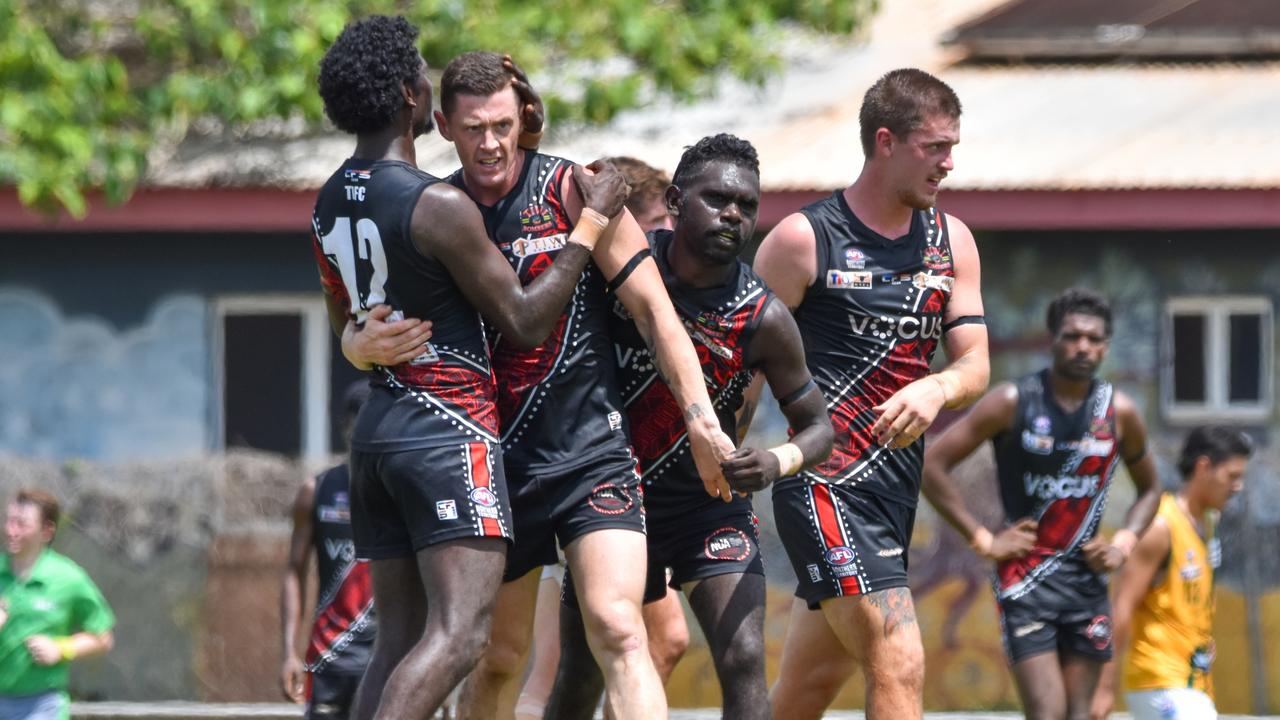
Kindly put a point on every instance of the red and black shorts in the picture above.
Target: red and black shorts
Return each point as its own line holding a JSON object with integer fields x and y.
{"x": 562, "y": 505}
{"x": 842, "y": 542}
{"x": 1032, "y": 626}
{"x": 403, "y": 501}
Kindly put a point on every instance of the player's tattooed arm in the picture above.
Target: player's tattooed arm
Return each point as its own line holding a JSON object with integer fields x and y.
{"x": 895, "y": 607}
{"x": 778, "y": 351}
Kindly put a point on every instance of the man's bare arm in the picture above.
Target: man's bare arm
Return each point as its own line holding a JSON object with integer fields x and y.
{"x": 990, "y": 416}
{"x": 778, "y": 351}
{"x": 447, "y": 224}
{"x": 292, "y": 584}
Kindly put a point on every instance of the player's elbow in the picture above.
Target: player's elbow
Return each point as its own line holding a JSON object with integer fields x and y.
{"x": 526, "y": 333}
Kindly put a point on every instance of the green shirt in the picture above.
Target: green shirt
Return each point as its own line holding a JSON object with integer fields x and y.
{"x": 57, "y": 599}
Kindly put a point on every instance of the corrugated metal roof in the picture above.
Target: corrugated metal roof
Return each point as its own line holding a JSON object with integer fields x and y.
{"x": 1024, "y": 127}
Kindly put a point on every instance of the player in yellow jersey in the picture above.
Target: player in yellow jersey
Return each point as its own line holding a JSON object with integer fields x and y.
{"x": 1163, "y": 604}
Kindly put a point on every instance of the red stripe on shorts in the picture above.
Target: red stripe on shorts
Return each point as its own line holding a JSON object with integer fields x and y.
{"x": 481, "y": 478}
{"x": 829, "y": 527}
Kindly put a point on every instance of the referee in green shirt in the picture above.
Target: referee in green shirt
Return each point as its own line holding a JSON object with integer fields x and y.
{"x": 50, "y": 613}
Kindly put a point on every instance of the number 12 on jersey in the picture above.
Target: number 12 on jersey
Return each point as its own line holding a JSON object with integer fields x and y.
{"x": 362, "y": 262}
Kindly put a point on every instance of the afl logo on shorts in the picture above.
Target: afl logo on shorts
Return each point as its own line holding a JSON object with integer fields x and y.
{"x": 609, "y": 500}
{"x": 1099, "y": 632}
{"x": 484, "y": 497}
{"x": 727, "y": 544}
{"x": 839, "y": 556}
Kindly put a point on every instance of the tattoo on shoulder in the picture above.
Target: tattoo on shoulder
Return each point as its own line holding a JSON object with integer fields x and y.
{"x": 896, "y": 606}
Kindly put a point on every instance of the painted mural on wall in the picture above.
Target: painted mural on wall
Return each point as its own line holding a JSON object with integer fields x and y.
{"x": 75, "y": 386}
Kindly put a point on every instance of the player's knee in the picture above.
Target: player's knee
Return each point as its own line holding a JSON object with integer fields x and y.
{"x": 900, "y": 664}
{"x": 668, "y": 645}
{"x": 615, "y": 628}
{"x": 502, "y": 654}
{"x": 742, "y": 663}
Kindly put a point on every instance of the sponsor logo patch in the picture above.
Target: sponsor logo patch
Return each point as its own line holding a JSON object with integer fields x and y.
{"x": 727, "y": 544}
{"x": 1038, "y": 444}
{"x": 484, "y": 497}
{"x": 1051, "y": 487}
{"x": 526, "y": 246}
{"x": 935, "y": 282}
{"x": 607, "y": 499}
{"x": 889, "y": 552}
{"x": 1042, "y": 425}
{"x": 1096, "y": 447}
{"x": 846, "y": 280}
{"x": 446, "y": 509}
{"x": 815, "y": 573}
{"x": 336, "y": 513}
{"x": 854, "y": 259}
{"x": 1099, "y": 632}
{"x": 487, "y": 512}
{"x": 839, "y": 556}
{"x": 1027, "y": 629}
{"x": 907, "y": 327}
{"x": 615, "y": 420}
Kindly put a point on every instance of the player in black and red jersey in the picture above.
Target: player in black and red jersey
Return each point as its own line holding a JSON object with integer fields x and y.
{"x": 877, "y": 277}
{"x": 568, "y": 460}
{"x": 1058, "y": 434}
{"x": 344, "y": 624}
{"x": 428, "y": 497}
{"x": 738, "y": 329}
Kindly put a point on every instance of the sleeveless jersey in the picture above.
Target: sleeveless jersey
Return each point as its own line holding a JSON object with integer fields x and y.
{"x": 1056, "y": 467}
{"x": 344, "y": 627}
{"x": 558, "y": 403}
{"x": 366, "y": 255}
{"x": 871, "y": 322}
{"x": 1172, "y": 628}
{"x": 721, "y": 322}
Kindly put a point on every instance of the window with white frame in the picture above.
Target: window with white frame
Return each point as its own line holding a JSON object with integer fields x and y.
{"x": 1217, "y": 359}
{"x": 272, "y": 374}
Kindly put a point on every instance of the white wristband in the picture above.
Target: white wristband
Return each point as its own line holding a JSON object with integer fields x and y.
{"x": 790, "y": 459}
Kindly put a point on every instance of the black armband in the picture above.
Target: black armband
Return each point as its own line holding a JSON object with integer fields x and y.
{"x": 964, "y": 320}
{"x": 626, "y": 270}
{"x": 796, "y": 394}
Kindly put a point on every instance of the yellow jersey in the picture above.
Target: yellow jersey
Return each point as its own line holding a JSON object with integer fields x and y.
{"x": 1171, "y": 640}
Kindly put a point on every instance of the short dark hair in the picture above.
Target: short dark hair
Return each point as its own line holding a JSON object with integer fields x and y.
{"x": 716, "y": 147}
{"x": 1214, "y": 442}
{"x": 901, "y": 100}
{"x": 1077, "y": 300}
{"x": 362, "y": 75}
{"x": 648, "y": 183}
{"x": 476, "y": 73}
{"x": 50, "y": 510}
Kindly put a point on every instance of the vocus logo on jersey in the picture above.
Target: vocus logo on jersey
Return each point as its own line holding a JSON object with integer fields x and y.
{"x": 343, "y": 550}
{"x": 907, "y": 327}
{"x": 526, "y": 246}
{"x": 1050, "y": 487}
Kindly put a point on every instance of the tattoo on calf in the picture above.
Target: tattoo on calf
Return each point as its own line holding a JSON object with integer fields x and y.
{"x": 896, "y": 606}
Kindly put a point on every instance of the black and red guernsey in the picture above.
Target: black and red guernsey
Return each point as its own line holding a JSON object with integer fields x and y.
{"x": 871, "y": 322}
{"x": 1055, "y": 467}
{"x": 558, "y": 403}
{"x": 721, "y": 322}
{"x": 366, "y": 255}
{"x": 344, "y": 627}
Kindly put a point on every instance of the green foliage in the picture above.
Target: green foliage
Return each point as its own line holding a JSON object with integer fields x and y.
{"x": 90, "y": 86}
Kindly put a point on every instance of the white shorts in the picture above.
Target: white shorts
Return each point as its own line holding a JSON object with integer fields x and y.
{"x": 1172, "y": 704}
{"x": 554, "y": 572}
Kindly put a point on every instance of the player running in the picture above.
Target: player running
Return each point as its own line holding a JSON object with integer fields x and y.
{"x": 428, "y": 496}
{"x": 711, "y": 547}
{"x": 1058, "y": 434}
{"x": 1164, "y": 595}
{"x": 571, "y": 469}
{"x": 876, "y": 277}
{"x": 344, "y": 625}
